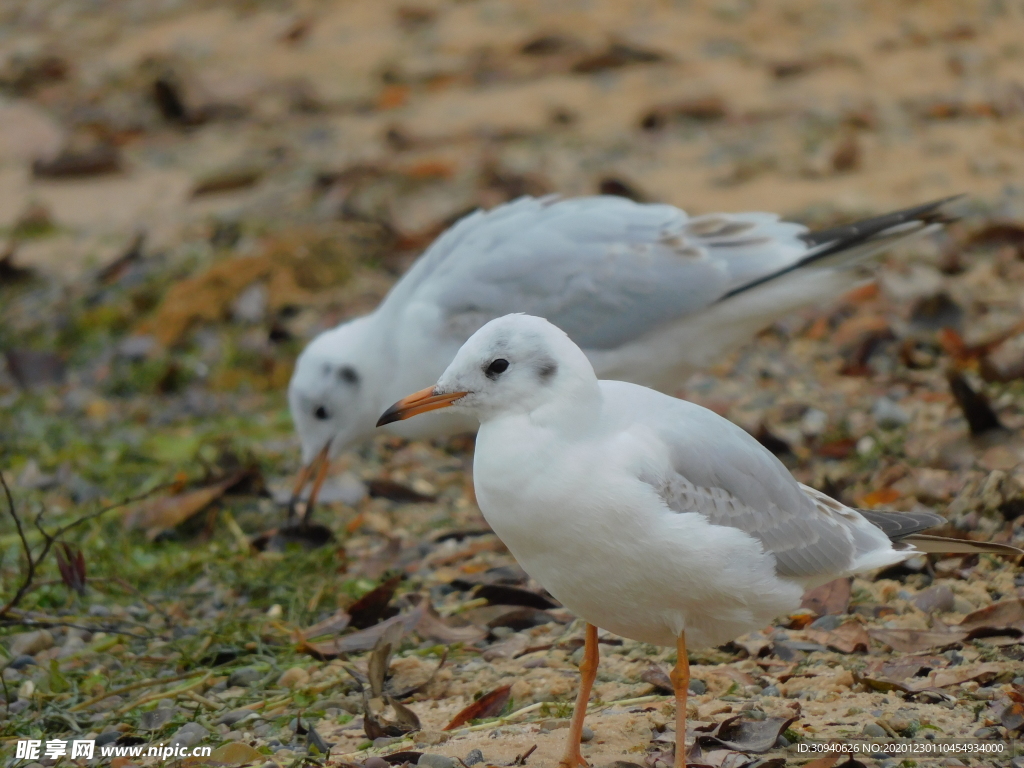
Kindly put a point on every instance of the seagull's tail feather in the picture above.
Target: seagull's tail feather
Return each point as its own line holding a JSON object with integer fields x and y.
{"x": 904, "y": 528}
{"x": 899, "y": 525}
{"x": 940, "y": 544}
{"x": 850, "y": 244}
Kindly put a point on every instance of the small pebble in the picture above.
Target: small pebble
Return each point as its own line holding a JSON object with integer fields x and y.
{"x": 874, "y": 730}
{"x": 771, "y": 690}
{"x": 107, "y": 737}
{"x": 30, "y": 643}
{"x": 698, "y": 687}
{"x": 296, "y": 677}
{"x": 22, "y": 661}
{"x": 475, "y": 756}
{"x": 188, "y": 735}
{"x": 888, "y": 414}
{"x": 827, "y": 623}
{"x": 376, "y": 762}
{"x": 431, "y": 738}
{"x": 554, "y": 724}
{"x": 586, "y": 735}
{"x": 234, "y": 716}
{"x": 245, "y": 676}
{"x": 435, "y": 761}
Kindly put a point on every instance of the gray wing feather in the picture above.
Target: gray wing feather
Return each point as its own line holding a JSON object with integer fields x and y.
{"x": 604, "y": 269}
{"x": 732, "y": 480}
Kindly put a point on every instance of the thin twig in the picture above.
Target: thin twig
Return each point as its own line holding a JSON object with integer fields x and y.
{"x": 133, "y": 687}
{"x": 30, "y": 569}
{"x": 163, "y": 695}
{"x": 208, "y": 703}
{"x": 49, "y": 539}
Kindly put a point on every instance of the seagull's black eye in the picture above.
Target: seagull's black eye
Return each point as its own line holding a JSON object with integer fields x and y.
{"x": 321, "y": 413}
{"x": 497, "y": 366}
{"x": 348, "y": 375}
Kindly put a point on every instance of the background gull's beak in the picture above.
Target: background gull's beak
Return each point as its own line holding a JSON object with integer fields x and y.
{"x": 418, "y": 402}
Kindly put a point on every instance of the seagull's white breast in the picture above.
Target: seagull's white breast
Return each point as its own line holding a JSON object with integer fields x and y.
{"x": 578, "y": 519}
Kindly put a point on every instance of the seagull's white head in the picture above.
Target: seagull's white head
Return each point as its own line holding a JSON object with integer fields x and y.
{"x": 514, "y": 364}
{"x": 328, "y": 394}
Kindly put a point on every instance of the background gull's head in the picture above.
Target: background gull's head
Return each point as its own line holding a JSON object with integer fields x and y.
{"x": 328, "y": 393}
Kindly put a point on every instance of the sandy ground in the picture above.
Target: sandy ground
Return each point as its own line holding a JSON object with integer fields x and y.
{"x": 270, "y": 121}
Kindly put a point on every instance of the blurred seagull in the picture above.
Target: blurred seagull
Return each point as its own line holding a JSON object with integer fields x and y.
{"x": 645, "y": 515}
{"x": 649, "y": 293}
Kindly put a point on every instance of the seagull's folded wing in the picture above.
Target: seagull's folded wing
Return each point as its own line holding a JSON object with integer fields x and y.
{"x": 605, "y": 270}
{"x": 718, "y": 470}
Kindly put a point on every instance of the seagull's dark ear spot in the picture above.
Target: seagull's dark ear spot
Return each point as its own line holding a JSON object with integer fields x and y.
{"x": 348, "y": 374}
{"x": 547, "y": 370}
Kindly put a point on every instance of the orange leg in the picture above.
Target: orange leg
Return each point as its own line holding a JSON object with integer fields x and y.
{"x": 321, "y": 475}
{"x": 588, "y": 672}
{"x": 300, "y": 483}
{"x": 680, "y": 677}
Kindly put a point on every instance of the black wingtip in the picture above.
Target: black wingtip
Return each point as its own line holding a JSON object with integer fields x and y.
{"x": 846, "y": 235}
{"x": 827, "y": 242}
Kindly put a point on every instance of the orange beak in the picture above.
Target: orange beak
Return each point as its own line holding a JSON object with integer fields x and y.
{"x": 418, "y": 402}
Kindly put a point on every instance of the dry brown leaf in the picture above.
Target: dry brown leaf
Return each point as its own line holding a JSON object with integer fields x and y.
{"x": 756, "y": 644}
{"x": 828, "y": 599}
{"x": 880, "y": 497}
{"x": 155, "y": 516}
{"x": 995, "y": 618}
{"x": 748, "y": 735}
{"x": 363, "y": 640}
{"x": 293, "y": 266}
{"x": 656, "y": 676}
{"x": 331, "y": 625}
{"x": 940, "y": 678}
{"x": 422, "y": 618}
{"x": 731, "y": 673}
{"x": 916, "y": 640}
{"x": 846, "y": 638}
{"x": 936, "y": 678}
{"x": 368, "y": 609}
{"x": 488, "y": 705}
{"x": 432, "y": 627}
{"x": 515, "y": 645}
{"x": 1012, "y": 716}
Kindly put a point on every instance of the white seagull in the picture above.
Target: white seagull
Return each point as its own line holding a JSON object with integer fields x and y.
{"x": 645, "y": 515}
{"x": 649, "y": 293}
